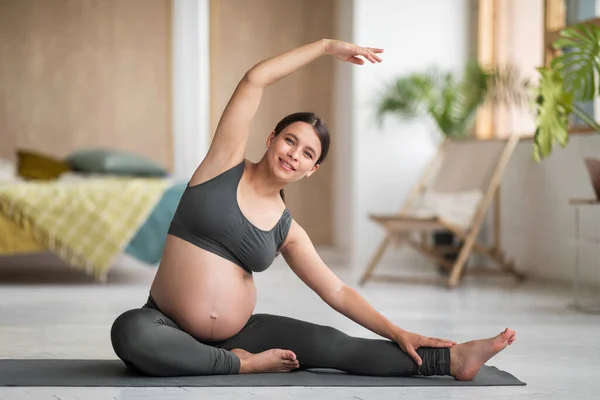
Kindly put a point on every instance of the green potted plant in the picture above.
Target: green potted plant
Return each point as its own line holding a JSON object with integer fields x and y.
{"x": 570, "y": 78}
{"x": 451, "y": 100}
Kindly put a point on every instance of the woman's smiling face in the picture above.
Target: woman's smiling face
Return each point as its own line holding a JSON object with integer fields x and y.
{"x": 294, "y": 152}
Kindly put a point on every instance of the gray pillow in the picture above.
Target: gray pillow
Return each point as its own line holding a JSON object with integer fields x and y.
{"x": 114, "y": 162}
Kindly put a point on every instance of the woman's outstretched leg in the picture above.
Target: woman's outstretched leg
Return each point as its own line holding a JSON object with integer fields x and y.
{"x": 318, "y": 346}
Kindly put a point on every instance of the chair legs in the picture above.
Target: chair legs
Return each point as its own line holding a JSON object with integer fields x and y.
{"x": 457, "y": 270}
{"x": 464, "y": 254}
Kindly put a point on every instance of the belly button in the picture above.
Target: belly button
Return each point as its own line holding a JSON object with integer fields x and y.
{"x": 213, "y": 315}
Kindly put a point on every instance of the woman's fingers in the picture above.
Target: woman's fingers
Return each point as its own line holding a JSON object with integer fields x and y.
{"x": 356, "y": 54}
{"x": 356, "y": 60}
{"x": 414, "y": 355}
{"x": 369, "y": 55}
{"x": 374, "y": 52}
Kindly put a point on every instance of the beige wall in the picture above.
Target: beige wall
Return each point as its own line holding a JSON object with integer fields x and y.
{"x": 245, "y": 32}
{"x": 86, "y": 73}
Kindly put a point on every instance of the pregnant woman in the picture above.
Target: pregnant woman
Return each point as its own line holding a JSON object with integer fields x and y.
{"x": 231, "y": 222}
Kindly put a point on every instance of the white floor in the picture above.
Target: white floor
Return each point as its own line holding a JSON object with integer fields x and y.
{"x": 54, "y": 312}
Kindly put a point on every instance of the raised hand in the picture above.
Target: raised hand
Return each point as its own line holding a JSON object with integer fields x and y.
{"x": 352, "y": 53}
{"x": 410, "y": 342}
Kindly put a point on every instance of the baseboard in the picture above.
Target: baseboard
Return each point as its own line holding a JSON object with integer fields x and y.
{"x": 407, "y": 260}
{"x": 393, "y": 258}
{"x": 547, "y": 281}
{"x": 404, "y": 259}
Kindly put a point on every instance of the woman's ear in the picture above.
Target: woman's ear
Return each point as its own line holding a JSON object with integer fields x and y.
{"x": 313, "y": 170}
{"x": 270, "y": 139}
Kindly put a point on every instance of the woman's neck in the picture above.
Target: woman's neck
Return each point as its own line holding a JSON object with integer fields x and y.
{"x": 262, "y": 180}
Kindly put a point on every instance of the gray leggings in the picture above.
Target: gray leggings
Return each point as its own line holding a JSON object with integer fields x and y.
{"x": 151, "y": 343}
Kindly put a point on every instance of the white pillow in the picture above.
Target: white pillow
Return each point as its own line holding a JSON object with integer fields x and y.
{"x": 456, "y": 208}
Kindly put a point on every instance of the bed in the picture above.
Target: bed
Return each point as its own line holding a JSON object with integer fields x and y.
{"x": 88, "y": 220}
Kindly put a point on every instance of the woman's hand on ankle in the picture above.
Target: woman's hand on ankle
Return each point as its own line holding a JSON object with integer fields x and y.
{"x": 410, "y": 342}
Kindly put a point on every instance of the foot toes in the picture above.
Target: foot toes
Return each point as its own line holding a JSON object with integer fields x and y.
{"x": 507, "y": 333}
{"x": 291, "y": 365}
{"x": 512, "y": 336}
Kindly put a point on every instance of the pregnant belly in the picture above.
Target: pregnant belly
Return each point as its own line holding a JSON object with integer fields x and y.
{"x": 207, "y": 296}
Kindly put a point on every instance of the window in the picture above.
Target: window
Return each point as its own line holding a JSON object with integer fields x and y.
{"x": 559, "y": 14}
{"x": 510, "y": 32}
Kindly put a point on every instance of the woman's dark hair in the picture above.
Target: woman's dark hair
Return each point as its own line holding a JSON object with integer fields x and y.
{"x": 320, "y": 129}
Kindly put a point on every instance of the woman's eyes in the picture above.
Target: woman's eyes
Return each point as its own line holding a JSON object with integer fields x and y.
{"x": 306, "y": 153}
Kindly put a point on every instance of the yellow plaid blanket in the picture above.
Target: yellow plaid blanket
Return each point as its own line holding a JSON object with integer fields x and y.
{"x": 87, "y": 223}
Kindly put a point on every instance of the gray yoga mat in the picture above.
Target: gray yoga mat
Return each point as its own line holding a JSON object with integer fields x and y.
{"x": 46, "y": 372}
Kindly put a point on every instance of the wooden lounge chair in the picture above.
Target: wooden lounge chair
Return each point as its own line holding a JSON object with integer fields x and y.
{"x": 454, "y": 194}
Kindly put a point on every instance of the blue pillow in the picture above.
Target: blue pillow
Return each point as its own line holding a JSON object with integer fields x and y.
{"x": 114, "y": 162}
{"x": 149, "y": 241}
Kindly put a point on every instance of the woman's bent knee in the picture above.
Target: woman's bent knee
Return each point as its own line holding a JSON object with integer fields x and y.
{"x": 150, "y": 343}
{"x": 131, "y": 336}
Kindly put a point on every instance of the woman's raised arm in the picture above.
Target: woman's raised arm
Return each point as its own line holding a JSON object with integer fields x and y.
{"x": 228, "y": 146}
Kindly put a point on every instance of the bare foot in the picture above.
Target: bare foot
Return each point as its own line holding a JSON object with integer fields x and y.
{"x": 466, "y": 359}
{"x": 274, "y": 360}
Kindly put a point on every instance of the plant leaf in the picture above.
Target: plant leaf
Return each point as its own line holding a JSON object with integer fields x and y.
{"x": 554, "y": 105}
{"x": 580, "y": 58}
{"x": 450, "y": 100}
{"x": 506, "y": 86}
{"x": 406, "y": 97}
{"x": 470, "y": 95}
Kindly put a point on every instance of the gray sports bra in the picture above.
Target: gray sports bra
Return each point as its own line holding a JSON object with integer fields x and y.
{"x": 208, "y": 216}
